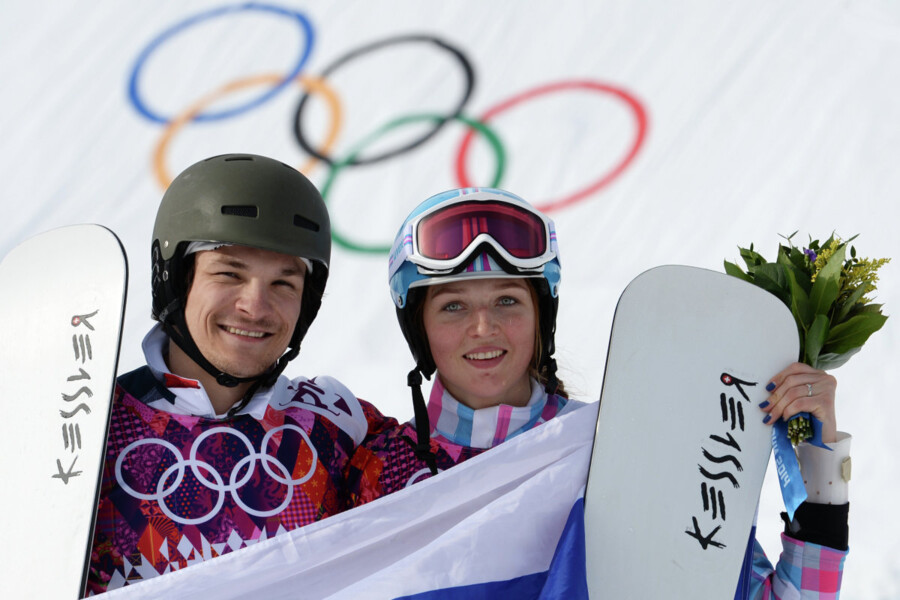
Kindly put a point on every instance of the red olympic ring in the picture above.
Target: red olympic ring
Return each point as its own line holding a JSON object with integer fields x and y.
{"x": 633, "y": 103}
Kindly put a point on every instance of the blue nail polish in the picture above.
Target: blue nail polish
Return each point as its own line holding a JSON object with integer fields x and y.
{"x": 770, "y": 387}
{"x": 764, "y": 404}
{"x": 767, "y": 419}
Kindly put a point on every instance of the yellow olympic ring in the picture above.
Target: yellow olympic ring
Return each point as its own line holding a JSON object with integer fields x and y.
{"x": 314, "y": 85}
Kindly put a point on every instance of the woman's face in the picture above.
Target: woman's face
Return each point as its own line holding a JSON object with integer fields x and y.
{"x": 481, "y": 333}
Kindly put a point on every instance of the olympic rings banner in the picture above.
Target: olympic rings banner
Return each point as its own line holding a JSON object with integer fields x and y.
{"x": 318, "y": 85}
{"x": 653, "y": 132}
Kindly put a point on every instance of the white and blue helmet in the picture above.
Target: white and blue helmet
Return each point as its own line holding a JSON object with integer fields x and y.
{"x": 472, "y": 233}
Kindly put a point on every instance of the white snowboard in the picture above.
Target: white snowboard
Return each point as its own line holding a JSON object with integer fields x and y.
{"x": 680, "y": 452}
{"x": 62, "y": 298}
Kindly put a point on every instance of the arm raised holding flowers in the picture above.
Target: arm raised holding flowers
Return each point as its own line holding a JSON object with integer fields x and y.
{"x": 827, "y": 292}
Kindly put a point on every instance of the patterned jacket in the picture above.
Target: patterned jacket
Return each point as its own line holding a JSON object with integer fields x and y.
{"x": 178, "y": 488}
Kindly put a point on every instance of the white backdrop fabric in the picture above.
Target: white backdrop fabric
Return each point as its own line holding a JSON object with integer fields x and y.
{"x": 696, "y": 127}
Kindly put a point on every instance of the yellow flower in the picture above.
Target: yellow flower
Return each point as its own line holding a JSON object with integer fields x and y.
{"x": 862, "y": 272}
{"x": 823, "y": 256}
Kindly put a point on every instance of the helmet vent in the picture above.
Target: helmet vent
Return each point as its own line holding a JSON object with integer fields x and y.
{"x": 301, "y": 221}
{"x": 238, "y": 157}
{"x": 246, "y": 210}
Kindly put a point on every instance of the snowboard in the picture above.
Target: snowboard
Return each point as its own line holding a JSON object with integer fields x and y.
{"x": 62, "y": 299}
{"x": 680, "y": 449}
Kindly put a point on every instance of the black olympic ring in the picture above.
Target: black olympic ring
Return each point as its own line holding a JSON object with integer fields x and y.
{"x": 470, "y": 84}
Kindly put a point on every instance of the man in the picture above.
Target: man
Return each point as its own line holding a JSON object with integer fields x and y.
{"x": 210, "y": 447}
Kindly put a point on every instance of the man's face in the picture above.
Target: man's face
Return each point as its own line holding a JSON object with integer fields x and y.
{"x": 242, "y": 307}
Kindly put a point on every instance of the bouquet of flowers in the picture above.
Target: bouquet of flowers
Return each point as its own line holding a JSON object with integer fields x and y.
{"x": 829, "y": 294}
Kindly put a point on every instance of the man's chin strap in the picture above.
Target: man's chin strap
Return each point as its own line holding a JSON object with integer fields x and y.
{"x": 173, "y": 322}
{"x": 266, "y": 379}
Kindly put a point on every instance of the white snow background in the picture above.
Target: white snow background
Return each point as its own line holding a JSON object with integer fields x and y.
{"x": 763, "y": 118}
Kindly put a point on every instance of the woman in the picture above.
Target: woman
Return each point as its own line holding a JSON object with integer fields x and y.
{"x": 474, "y": 274}
{"x": 476, "y": 295}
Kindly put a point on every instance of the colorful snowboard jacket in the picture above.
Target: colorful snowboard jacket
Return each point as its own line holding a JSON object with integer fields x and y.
{"x": 387, "y": 463}
{"x": 805, "y": 571}
{"x": 178, "y": 488}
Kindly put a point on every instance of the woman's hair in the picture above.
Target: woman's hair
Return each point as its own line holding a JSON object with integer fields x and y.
{"x": 534, "y": 370}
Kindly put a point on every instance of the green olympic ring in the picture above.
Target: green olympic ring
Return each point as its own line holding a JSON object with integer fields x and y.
{"x": 337, "y": 166}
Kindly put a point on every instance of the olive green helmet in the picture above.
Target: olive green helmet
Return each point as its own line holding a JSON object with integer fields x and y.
{"x": 242, "y": 199}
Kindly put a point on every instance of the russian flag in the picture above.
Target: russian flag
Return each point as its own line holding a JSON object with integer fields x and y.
{"x": 505, "y": 524}
{"x": 563, "y": 580}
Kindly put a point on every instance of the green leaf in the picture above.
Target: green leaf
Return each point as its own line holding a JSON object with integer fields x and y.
{"x": 823, "y": 295}
{"x": 827, "y": 286}
{"x": 828, "y": 360}
{"x": 751, "y": 258}
{"x": 799, "y": 305}
{"x": 801, "y": 278}
{"x": 786, "y": 256}
{"x": 866, "y": 308}
{"x": 735, "y": 271}
{"x": 815, "y": 339}
{"x": 851, "y": 301}
{"x": 772, "y": 278}
{"x": 854, "y": 332}
{"x": 861, "y": 309}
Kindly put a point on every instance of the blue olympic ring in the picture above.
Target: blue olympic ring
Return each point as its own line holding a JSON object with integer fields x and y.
{"x": 142, "y": 108}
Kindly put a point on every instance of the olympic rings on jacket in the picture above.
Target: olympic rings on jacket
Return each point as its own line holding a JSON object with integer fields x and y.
{"x": 420, "y": 474}
{"x": 467, "y": 92}
{"x": 302, "y": 21}
{"x": 247, "y": 464}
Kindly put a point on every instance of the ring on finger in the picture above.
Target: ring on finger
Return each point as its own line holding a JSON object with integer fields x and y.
{"x": 808, "y": 390}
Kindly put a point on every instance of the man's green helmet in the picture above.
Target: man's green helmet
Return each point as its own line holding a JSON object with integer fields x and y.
{"x": 242, "y": 199}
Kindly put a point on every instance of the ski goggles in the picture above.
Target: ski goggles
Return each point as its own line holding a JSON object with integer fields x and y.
{"x": 442, "y": 240}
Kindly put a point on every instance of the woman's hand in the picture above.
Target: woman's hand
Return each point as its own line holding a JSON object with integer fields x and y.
{"x": 801, "y": 388}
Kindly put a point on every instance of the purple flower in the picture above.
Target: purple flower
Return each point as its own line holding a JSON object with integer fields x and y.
{"x": 810, "y": 254}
